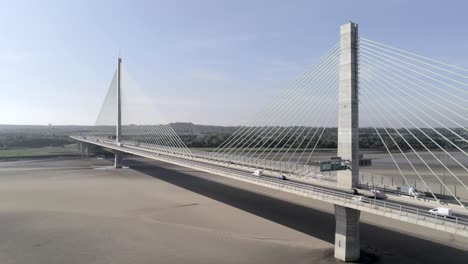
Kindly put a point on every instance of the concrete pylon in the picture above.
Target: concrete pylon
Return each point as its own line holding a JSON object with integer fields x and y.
{"x": 348, "y": 112}
{"x": 118, "y": 126}
{"x": 347, "y": 243}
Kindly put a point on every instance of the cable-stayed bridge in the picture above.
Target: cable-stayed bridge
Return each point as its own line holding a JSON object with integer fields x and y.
{"x": 361, "y": 92}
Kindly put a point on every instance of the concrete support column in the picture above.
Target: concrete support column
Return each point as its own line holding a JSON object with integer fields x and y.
{"x": 117, "y": 159}
{"x": 86, "y": 149}
{"x": 348, "y": 112}
{"x": 347, "y": 243}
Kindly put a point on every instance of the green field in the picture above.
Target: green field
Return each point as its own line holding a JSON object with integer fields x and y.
{"x": 71, "y": 149}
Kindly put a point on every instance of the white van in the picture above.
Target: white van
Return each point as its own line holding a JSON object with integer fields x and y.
{"x": 410, "y": 191}
{"x": 257, "y": 173}
{"x": 441, "y": 211}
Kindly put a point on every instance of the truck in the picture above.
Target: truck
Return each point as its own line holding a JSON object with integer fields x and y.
{"x": 442, "y": 211}
{"x": 410, "y": 191}
{"x": 334, "y": 164}
{"x": 257, "y": 173}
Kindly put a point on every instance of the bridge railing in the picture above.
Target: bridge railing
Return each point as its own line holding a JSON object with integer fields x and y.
{"x": 386, "y": 207}
{"x": 275, "y": 166}
{"x": 391, "y": 183}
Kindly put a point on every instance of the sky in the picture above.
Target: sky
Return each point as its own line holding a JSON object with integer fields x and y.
{"x": 207, "y": 62}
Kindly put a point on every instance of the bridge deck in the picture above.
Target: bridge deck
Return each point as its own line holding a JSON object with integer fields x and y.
{"x": 392, "y": 209}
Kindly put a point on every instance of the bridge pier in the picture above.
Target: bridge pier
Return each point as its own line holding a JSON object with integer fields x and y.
{"x": 87, "y": 149}
{"x": 80, "y": 147}
{"x": 347, "y": 241}
{"x": 84, "y": 149}
{"x": 117, "y": 159}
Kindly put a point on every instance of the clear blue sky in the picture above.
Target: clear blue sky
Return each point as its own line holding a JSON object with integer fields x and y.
{"x": 211, "y": 62}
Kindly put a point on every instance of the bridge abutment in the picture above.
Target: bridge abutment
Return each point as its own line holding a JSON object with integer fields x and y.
{"x": 347, "y": 241}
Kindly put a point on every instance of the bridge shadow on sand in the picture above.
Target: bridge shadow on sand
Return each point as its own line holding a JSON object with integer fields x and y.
{"x": 379, "y": 245}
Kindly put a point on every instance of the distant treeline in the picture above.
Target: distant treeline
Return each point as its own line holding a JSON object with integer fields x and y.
{"x": 9, "y": 141}
{"x": 369, "y": 138}
{"x": 23, "y": 136}
{"x": 203, "y": 136}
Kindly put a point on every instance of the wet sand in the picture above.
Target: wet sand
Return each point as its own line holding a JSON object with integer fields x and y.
{"x": 75, "y": 211}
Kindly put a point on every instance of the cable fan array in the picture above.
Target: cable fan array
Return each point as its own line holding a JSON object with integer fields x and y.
{"x": 142, "y": 126}
{"x": 284, "y": 136}
{"x": 418, "y": 108}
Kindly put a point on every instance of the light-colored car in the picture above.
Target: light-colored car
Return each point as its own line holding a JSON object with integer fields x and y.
{"x": 257, "y": 173}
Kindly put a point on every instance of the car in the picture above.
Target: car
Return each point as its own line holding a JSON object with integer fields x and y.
{"x": 357, "y": 198}
{"x": 378, "y": 194}
{"x": 281, "y": 177}
{"x": 257, "y": 173}
{"x": 352, "y": 191}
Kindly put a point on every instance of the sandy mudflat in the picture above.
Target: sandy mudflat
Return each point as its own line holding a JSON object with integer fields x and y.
{"x": 66, "y": 211}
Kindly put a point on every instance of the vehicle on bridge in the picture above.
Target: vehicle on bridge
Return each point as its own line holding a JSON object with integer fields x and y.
{"x": 442, "y": 211}
{"x": 257, "y": 173}
{"x": 281, "y": 177}
{"x": 352, "y": 191}
{"x": 410, "y": 191}
{"x": 378, "y": 194}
